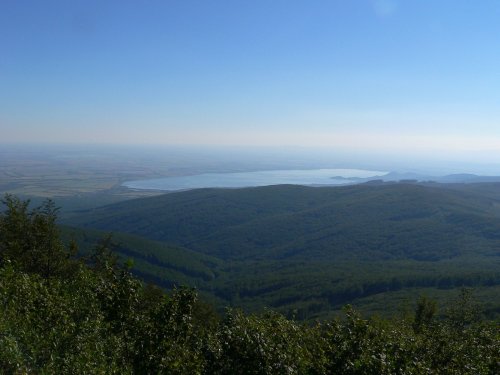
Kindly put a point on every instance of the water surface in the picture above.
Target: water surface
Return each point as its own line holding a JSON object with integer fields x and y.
{"x": 309, "y": 177}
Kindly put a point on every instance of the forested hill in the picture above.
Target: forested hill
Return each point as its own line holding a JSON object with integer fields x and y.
{"x": 66, "y": 314}
{"x": 312, "y": 250}
{"x": 370, "y": 222}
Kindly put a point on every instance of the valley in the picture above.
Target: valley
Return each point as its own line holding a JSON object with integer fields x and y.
{"x": 303, "y": 251}
{"x": 309, "y": 251}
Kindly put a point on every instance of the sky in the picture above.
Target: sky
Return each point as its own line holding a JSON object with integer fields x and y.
{"x": 403, "y": 76}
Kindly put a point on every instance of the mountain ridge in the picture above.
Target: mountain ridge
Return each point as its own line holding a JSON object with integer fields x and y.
{"x": 340, "y": 244}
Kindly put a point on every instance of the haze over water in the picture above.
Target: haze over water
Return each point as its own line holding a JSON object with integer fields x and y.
{"x": 257, "y": 178}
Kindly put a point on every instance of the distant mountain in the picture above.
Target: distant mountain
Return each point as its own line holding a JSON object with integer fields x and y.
{"x": 293, "y": 247}
{"x": 468, "y": 178}
{"x": 415, "y": 177}
{"x": 452, "y": 178}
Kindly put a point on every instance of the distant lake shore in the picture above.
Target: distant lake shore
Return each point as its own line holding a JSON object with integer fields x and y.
{"x": 307, "y": 177}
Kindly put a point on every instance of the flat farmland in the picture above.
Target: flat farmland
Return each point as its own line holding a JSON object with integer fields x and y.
{"x": 75, "y": 179}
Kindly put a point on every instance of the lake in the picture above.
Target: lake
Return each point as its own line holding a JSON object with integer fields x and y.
{"x": 309, "y": 177}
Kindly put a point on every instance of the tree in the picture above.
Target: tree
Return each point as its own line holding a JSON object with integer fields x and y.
{"x": 424, "y": 313}
{"x": 30, "y": 238}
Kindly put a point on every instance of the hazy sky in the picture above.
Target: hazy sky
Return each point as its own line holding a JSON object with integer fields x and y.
{"x": 412, "y": 75}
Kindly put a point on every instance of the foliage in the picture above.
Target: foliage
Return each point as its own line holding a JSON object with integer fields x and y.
{"x": 263, "y": 344}
{"x": 31, "y": 239}
{"x": 99, "y": 319}
{"x": 259, "y": 247}
{"x": 424, "y": 313}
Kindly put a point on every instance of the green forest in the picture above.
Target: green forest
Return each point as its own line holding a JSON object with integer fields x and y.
{"x": 306, "y": 252}
{"x": 68, "y": 313}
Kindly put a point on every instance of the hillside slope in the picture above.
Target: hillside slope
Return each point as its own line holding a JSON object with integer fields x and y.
{"x": 395, "y": 221}
{"x": 314, "y": 249}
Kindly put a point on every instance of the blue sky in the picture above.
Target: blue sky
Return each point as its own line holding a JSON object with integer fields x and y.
{"x": 414, "y": 75}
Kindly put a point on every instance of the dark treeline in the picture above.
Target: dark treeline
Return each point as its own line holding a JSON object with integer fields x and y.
{"x": 65, "y": 314}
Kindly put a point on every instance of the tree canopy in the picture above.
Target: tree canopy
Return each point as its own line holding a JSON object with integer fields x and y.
{"x": 65, "y": 314}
